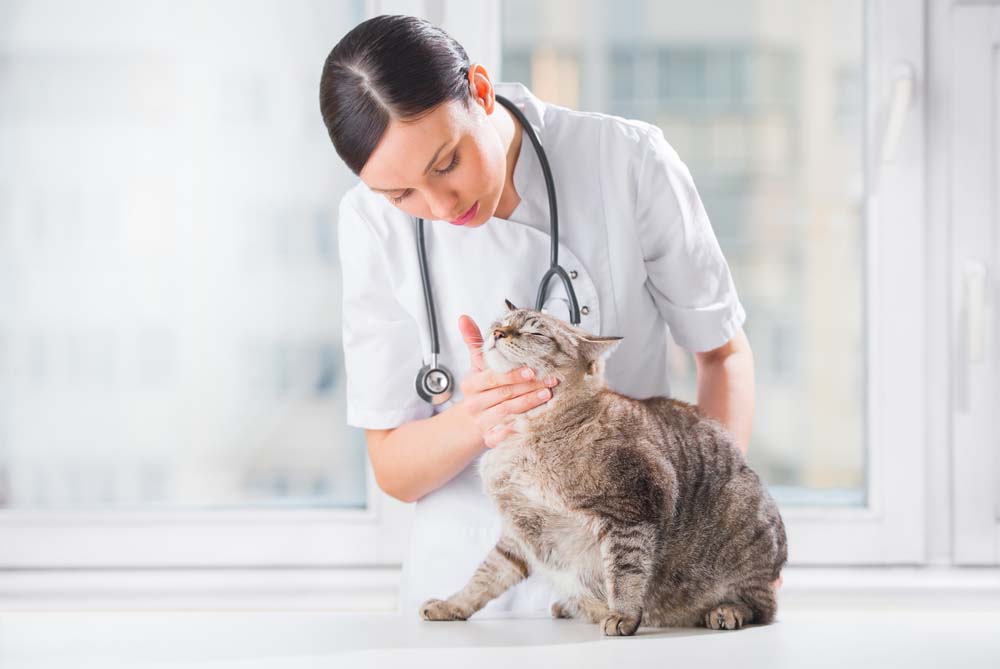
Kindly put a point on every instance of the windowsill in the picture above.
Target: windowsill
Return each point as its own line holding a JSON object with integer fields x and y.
{"x": 375, "y": 589}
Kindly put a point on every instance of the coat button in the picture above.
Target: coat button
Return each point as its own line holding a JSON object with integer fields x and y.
{"x": 572, "y": 274}
{"x": 585, "y": 310}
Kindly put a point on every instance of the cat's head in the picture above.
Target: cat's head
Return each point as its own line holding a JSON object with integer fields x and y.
{"x": 545, "y": 343}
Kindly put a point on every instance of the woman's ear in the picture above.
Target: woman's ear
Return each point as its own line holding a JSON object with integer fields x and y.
{"x": 482, "y": 87}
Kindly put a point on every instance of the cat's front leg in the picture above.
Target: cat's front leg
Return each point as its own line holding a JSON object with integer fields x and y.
{"x": 504, "y": 567}
{"x": 562, "y": 609}
{"x": 589, "y": 608}
{"x": 627, "y": 555}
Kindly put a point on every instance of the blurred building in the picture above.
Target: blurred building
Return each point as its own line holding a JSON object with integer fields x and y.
{"x": 170, "y": 331}
{"x": 763, "y": 100}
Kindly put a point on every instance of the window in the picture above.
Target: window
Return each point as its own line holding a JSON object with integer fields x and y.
{"x": 170, "y": 339}
{"x": 765, "y": 103}
{"x": 164, "y": 190}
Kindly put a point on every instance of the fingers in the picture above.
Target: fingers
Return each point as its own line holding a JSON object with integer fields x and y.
{"x": 473, "y": 339}
{"x": 504, "y": 413}
{"x": 498, "y": 433}
{"x": 519, "y": 404}
{"x": 488, "y": 379}
{"x": 508, "y": 392}
{"x": 491, "y": 396}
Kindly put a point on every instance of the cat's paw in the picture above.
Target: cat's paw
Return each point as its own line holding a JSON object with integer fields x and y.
{"x": 724, "y": 617}
{"x": 436, "y": 609}
{"x": 620, "y": 624}
{"x": 560, "y": 610}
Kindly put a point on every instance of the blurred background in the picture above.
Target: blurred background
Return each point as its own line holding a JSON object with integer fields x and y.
{"x": 171, "y": 369}
{"x": 170, "y": 335}
{"x": 170, "y": 332}
{"x": 764, "y": 101}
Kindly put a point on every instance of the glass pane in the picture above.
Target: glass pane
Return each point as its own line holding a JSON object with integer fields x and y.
{"x": 764, "y": 102}
{"x": 170, "y": 335}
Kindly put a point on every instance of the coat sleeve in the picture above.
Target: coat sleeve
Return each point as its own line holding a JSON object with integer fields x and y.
{"x": 381, "y": 346}
{"x": 686, "y": 273}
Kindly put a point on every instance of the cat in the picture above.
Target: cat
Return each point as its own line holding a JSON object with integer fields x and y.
{"x": 640, "y": 512}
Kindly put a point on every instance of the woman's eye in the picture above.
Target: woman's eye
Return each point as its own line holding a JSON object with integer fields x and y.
{"x": 406, "y": 193}
{"x": 453, "y": 165}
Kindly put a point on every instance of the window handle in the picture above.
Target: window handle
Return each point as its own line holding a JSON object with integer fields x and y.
{"x": 903, "y": 82}
{"x": 904, "y": 78}
{"x": 971, "y": 335}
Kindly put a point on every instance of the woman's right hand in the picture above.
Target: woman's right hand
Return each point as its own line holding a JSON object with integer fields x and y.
{"x": 490, "y": 398}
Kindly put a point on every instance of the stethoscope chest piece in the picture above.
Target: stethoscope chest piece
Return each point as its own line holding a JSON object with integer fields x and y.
{"x": 435, "y": 382}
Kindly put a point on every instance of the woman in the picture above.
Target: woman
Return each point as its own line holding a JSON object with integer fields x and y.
{"x": 420, "y": 125}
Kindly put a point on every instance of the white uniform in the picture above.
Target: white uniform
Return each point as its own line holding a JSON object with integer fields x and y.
{"x": 633, "y": 233}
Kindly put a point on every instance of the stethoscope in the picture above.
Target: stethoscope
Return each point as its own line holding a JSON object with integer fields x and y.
{"x": 434, "y": 381}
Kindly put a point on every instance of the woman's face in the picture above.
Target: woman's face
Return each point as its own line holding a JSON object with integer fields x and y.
{"x": 447, "y": 163}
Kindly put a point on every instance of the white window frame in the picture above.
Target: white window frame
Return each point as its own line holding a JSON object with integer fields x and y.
{"x": 972, "y": 40}
{"x": 890, "y": 530}
{"x": 376, "y": 535}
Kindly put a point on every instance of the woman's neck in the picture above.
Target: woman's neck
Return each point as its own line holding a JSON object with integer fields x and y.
{"x": 510, "y": 134}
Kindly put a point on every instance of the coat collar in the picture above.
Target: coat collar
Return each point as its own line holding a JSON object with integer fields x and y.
{"x": 529, "y": 180}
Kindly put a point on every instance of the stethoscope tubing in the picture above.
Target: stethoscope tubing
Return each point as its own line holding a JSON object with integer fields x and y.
{"x": 554, "y": 268}
{"x": 428, "y": 300}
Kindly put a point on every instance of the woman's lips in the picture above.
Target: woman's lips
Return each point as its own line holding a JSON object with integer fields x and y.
{"x": 467, "y": 216}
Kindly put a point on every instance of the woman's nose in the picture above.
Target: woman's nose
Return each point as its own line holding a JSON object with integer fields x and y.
{"x": 442, "y": 206}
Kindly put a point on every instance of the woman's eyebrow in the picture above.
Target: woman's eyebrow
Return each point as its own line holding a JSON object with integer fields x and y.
{"x": 426, "y": 169}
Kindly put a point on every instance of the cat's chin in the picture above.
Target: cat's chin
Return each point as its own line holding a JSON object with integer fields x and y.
{"x": 497, "y": 362}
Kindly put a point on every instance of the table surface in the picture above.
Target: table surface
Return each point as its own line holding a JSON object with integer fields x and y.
{"x": 915, "y": 632}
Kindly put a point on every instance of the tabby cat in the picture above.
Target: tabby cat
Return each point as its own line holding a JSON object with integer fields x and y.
{"x": 638, "y": 511}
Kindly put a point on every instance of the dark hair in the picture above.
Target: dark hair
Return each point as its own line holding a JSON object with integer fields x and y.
{"x": 388, "y": 67}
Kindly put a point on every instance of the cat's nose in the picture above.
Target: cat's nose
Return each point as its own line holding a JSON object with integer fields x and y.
{"x": 504, "y": 331}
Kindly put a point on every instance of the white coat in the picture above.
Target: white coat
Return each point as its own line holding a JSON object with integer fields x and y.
{"x": 636, "y": 239}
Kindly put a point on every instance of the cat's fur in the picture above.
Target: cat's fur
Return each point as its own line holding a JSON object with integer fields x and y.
{"x": 638, "y": 511}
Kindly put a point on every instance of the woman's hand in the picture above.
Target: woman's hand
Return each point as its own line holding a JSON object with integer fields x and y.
{"x": 490, "y": 398}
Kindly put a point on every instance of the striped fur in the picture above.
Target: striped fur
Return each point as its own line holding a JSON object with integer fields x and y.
{"x": 638, "y": 511}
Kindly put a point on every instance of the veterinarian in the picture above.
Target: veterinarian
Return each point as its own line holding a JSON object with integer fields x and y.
{"x": 420, "y": 125}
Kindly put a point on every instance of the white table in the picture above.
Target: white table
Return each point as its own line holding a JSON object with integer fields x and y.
{"x": 853, "y": 632}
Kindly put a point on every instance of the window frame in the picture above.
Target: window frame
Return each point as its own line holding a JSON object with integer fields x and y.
{"x": 971, "y": 38}
{"x": 891, "y": 528}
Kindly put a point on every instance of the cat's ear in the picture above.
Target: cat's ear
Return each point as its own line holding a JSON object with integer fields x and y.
{"x": 510, "y": 306}
{"x": 595, "y": 349}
